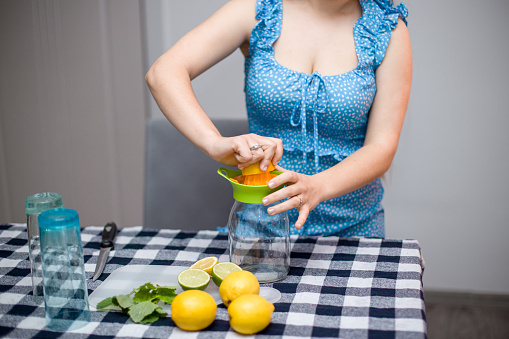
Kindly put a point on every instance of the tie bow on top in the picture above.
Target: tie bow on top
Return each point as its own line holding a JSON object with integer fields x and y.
{"x": 313, "y": 99}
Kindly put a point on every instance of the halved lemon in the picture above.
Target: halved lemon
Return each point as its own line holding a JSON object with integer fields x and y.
{"x": 205, "y": 264}
{"x": 193, "y": 279}
{"x": 221, "y": 270}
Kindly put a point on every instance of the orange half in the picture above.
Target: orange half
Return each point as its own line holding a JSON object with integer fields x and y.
{"x": 255, "y": 169}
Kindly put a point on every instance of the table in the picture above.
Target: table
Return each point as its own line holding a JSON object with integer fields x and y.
{"x": 337, "y": 287}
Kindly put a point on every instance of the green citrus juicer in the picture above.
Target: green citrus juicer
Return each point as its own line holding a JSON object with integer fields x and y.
{"x": 247, "y": 193}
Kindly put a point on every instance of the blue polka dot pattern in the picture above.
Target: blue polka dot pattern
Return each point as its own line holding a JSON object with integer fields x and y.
{"x": 321, "y": 119}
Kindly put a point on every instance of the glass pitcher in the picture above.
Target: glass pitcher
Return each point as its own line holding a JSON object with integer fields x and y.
{"x": 258, "y": 242}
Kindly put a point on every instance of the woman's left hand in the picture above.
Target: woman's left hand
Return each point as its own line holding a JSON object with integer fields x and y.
{"x": 303, "y": 191}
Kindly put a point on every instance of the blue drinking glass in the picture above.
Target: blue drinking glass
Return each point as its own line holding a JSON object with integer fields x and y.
{"x": 65, "y": 288}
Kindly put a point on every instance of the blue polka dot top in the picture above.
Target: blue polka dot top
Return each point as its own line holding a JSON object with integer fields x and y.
{"x": 321, "y": 119}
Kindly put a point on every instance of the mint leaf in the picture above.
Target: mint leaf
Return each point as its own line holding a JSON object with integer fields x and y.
{"x": 149, "y": 319}
{"x": 146, "y": 312}
{"x": 166, "y": 293}
{"x": 105, "y": 303}
{"x": 149, "y": 292}
{"x": 142, "y": 307}
{"x": 124, "y": 302}
{"x": 167, "y": 299}
{"x": 144, "y": 293}
{"x": 160, "y": 311}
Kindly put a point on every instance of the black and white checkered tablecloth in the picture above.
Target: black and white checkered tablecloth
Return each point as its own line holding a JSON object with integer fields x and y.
{"x": 337, "y": 287}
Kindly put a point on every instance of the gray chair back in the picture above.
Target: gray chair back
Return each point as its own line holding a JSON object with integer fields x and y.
{"x": 182, "y": 187}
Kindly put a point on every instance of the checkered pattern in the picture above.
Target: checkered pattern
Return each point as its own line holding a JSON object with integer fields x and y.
{"x": 336, "y": 288}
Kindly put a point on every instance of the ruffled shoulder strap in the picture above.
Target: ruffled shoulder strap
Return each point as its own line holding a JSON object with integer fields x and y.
{"x": 269, "y": 14}
{"x": 374, "y": 28}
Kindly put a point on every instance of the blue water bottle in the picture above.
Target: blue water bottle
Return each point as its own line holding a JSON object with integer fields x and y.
{"x": 65, "y": 288}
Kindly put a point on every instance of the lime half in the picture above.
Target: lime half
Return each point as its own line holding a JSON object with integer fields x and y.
{"x": 193, "y": 279}
{"x": 221, "y": 270}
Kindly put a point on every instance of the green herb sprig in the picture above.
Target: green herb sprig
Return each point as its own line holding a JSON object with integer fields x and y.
{"x": 143, "y": 306}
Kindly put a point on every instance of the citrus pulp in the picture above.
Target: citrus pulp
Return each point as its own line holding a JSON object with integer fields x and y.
{"x": 221, "y": 270}
{"x": 205, "y": 264}
{"x": 193, "y": 279}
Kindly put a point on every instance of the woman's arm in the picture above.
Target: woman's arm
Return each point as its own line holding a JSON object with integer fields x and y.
{"x": 393, "y": 80}
{"x": 169, "y": 80}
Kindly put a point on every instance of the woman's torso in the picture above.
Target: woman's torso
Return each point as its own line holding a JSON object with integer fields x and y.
{"x": 321, "y": 117}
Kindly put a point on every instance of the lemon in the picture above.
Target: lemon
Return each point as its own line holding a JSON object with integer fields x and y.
{"x": 193, "y": 310}
{"x": 221, "y": 270}
{"x": 236, "y": 284}
{"x": 255, "y": 169}
{"x": 250, "y": 313}
{"x": 205, "y": 264}
{"x": 193, "y": 279}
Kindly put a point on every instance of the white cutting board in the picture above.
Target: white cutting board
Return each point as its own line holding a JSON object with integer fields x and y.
{"x": 124, "y": 279}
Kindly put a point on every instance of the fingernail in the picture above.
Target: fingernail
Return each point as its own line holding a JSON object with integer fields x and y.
{"x": 271, "y": 184}
{"x": 264, "y": 168}
{"x": 271, "y": 210}
{"x": 265, "y": 201}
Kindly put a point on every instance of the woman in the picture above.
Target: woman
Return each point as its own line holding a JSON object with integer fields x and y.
{"x": 327, "y": 81}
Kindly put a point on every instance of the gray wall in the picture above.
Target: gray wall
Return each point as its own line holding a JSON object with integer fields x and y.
{"x": 72, "y": 107}
{"x": 448, "y": 184}
{"x": 221, "y": 89}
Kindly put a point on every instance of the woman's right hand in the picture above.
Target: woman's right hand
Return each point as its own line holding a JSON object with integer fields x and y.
{"x": 237, "y": 151}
